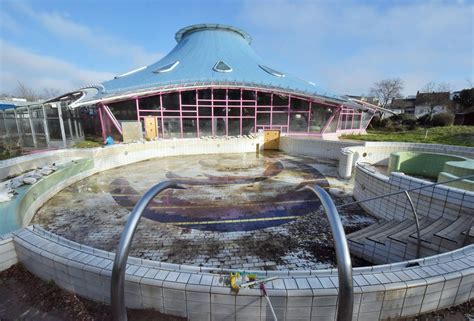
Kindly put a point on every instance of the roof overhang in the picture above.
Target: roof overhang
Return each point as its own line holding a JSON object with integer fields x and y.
{"x": 202, "y": 85}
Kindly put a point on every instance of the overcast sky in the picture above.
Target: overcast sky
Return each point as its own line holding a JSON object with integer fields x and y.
{"x": 344, "y": 46}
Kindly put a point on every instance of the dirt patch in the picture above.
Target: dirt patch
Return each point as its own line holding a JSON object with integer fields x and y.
{"x": 23, "y": 296}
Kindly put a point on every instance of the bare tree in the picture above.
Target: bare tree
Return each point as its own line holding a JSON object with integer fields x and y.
{"x": 23, "y": 91}
{"x": 433, "y": 87}
{"x": 50, "y": 93}
{"x": 386, "y": 90}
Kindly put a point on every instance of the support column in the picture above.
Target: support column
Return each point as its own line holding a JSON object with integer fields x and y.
{"x": 7, "y": 134}
{"x": 70, "y": 125}
{"x": 18, "y": 128}
{"x": 101, "y": 119}
{"x": 61, "y": 124}
{"x": 33, "y": 131}
{"x": 45, "y": 124}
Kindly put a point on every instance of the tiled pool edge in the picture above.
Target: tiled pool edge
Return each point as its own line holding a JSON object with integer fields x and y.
{"x": 384, "y": 291}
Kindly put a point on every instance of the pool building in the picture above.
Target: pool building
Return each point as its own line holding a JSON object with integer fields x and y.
{"x": 214, "y": 84}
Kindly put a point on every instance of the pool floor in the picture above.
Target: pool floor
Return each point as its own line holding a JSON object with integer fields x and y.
{"x": 240, "y": 211}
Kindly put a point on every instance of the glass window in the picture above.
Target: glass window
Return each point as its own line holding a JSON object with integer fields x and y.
{"x": 298, "y": 122}
{"x": 204, "y": 94}
{"x": 248, "y": 126}
{"x": 189, "y": 127}
{"x": 221, "y": 66}
{"x": 205, "y": 111}
{"x": 272, "y": 71}
{"x": 219, "y": 94}
{"x": 171, "y": 128}
{"x": 234, "y": 111}
{"x": 248, "y": 95}
{"x": 264, "y": 99}
{"x": 248, "y": 111}
{"x": 124, "y": 110}
{"x": 219, "y": 125}
{"x": 280, "y": 100}
{"x": 234, "y": 94}
{"x": 188, "y": 97}
{"x": 150, "y": 103}
{"x": 219, "y": 111}
{"x": 319, "y": 117}
{"x": 356, "y": 123}
{"x": 263, "y": 119}
{"x": 234, "y": 126}
{"x": 167, "y": 67}
{"x": 279, "y": 118}
{"x": 366, "y": 117}
{"x": 205, "y": 126}
{"x": 171, "y": 101}
{"x": 299, "y": 104}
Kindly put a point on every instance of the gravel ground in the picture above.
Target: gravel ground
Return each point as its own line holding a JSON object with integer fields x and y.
{"x": 23, "y": 296}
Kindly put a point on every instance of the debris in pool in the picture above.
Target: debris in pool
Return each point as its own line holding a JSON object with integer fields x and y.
{"x": 29, "y": 180}
{"x": 8, "y": 187}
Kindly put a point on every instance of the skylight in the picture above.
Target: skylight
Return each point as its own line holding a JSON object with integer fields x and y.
{"x": 166, "y": 68}
{"x": 221, "y": 66}
{"x": 130, "y": 72}
{"x": 271, "y": 71}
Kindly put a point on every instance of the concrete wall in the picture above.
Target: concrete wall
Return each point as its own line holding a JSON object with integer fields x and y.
{"x": 314, "y": 147}
{"x": 378, "y": 153}
{"x": 8, "y": 255}
{"x": 433, "y": 202}
{"x": 380, "y": 292}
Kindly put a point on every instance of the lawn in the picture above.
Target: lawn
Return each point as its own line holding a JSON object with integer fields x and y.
{"x": 450, "y": 135}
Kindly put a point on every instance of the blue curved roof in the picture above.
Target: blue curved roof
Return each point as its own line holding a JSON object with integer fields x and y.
{"x": 199, "y": 49}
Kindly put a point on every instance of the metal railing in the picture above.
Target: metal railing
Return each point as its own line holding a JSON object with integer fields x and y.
{"x": 410, "y": 201}
{"x": 119, "y": 311}
{"x": 344, "y": 265}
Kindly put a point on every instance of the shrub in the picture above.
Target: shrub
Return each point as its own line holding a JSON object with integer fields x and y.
{"x": 424, "y": 120}
{"x": 442, "y": 119}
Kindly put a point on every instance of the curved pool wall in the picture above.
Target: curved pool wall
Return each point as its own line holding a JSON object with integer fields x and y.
{"x": 382, "y": 291}
{"x": 19, "y": 211}
{"x": 378, "y": 153}
{"x": 435, "y": 166}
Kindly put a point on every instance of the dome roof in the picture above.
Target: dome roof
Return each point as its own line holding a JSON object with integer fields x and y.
{"x": 209, "y": 54}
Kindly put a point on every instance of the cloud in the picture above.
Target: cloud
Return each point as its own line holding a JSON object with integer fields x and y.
{"x": 40, "y": 72}
{"x": 62, "y": 26}
{"x": 347, "y": 46}
{"x": 8, "y": 24}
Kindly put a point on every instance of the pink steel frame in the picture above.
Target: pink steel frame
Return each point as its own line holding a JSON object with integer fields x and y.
{"x": 194, "y": 114}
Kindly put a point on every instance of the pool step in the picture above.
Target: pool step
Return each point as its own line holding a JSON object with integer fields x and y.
{"x": 392, "y": 241}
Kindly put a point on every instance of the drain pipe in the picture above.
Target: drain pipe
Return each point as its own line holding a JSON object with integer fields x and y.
{"x": 345, "y": 295}
{"x": 119, "y": 311}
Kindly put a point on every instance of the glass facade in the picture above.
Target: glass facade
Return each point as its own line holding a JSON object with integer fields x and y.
{"x": 236, "y": 111}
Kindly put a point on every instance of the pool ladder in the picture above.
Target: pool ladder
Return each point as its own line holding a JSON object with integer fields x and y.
{"x": 344, "y": 265}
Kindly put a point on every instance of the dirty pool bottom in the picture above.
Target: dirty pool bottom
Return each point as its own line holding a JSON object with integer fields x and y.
{"x": 240, "y": 211}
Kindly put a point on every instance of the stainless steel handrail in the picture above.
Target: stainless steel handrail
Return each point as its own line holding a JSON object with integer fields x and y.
{"x": 119, "y": 311}
{"x": 344, "y": 265}
{"x": 417, "y": 223}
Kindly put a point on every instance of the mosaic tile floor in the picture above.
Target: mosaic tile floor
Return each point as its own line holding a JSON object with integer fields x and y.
{"x": 237, "y": 211}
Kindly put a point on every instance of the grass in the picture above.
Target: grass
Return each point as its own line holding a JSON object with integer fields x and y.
{"x": 88, "y": 144}
{"x": 450, "y": 135}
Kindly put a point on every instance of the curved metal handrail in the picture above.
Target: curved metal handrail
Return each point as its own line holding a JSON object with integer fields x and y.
{"x": 417, "y": 223}
{"x": 344, "y": 264}
{"x": 119, "y": 312}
